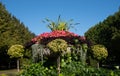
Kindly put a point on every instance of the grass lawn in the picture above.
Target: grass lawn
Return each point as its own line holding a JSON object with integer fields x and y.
{"x": 11, "y": 72}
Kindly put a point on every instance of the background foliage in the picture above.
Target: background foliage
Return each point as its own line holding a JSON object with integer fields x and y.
{"x": 71, "y": 69}
{"x": 107, "y": 33}
{"x": 12, "y": 32}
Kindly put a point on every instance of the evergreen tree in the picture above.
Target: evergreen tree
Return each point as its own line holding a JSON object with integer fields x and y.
{"x": 107, "y": 33}
{"x": 12, "y": 32}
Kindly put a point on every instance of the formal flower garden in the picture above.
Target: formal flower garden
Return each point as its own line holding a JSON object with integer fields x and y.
{"x": 64, "y": 53}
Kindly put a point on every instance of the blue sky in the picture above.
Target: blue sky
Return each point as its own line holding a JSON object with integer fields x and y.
{"x": 86, "y": 12}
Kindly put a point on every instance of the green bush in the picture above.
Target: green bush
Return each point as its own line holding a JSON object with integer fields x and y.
{"x": 37, "y": 69}
{"x": 78, "y": 69}
{"x": 99, "y": 52}
{"x": 70, "y": 69}
{"x": 16, "y": 51}
{"x": 57, "y": 45}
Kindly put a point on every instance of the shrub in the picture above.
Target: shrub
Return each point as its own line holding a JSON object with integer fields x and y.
{"x": 70, "y": 69}
{"x": 78, "y": 69}
{"x": 37, "y": 69}
{"x": 99, "y": 52}
{"x": 57, "y": 45}
{"x": 16, "y": 51}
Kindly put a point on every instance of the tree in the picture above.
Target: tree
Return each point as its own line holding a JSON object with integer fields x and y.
{"x": 99, "y": 52}
{"x": 58, "y": 46}
{"x": 16, "y": 51}
{"x": 107, "y": 33}
{"x": 12, "y": 32}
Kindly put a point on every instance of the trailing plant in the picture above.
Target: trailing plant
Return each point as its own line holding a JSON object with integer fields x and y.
{"x": 37, "y": 52}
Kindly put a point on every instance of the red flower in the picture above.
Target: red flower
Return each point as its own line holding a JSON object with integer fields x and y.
{"x": 66, "y": 35}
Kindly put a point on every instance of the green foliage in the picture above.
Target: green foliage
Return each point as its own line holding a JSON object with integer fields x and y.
{"x": 107, "y": 33}
{"x": 37, "y": 69}
{"x": 25, "y": 62}
{"x": 84, "y": 47}
{"x": 59, "y": 24}
{"x": 65, "y": 61}
{"x": 12, "y": 32}
{"x": 99, "y": 52}
{"x": 78, "y": 69}
{"x": 16, "y": 51}
{"x": 83, "y": 53}
{"x": 71, "y": 69}
{"x": 57, "y": 45}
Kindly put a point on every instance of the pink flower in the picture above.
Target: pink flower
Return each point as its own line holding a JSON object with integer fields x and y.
{"x": 56, "y": 34}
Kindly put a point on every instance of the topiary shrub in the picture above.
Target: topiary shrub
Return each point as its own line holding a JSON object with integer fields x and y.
{"x": 16, "y": 51}
{"x": 57, "y": 45}
{"x": 99, "y": 52}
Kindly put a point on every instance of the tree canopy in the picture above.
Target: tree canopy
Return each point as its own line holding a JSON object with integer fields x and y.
{"x": 12, "y": 31}
{"x": 107, "y": 33}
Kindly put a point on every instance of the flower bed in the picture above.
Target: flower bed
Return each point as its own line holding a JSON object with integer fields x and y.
{"x": 46, "y": 37}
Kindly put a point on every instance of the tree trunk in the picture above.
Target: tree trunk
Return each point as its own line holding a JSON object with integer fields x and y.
{"x": 58, "y": 64}
{"x": 9, "y": 65}
{"x": 98, "y": 65}
{"x": 18, "y": 65}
